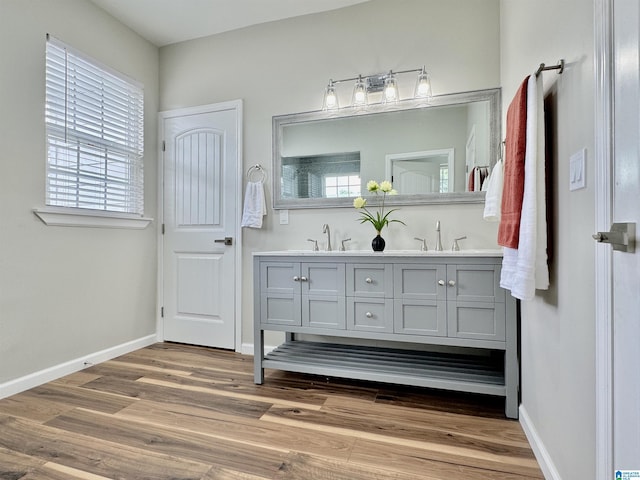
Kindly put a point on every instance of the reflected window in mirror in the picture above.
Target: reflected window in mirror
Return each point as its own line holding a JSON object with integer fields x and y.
{"x": 333, "y": 175}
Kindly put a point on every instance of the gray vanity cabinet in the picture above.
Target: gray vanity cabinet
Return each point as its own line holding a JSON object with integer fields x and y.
{"x": 420, "y": 302}
{"x": 433, "y": 320}
{"x": 302, "y": 294}
{"x": 370, "y": 297}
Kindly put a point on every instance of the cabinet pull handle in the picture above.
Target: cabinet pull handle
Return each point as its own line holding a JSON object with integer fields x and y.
{"x": 368, "y": 280}
{"x": 452, "y": 283}
{"x": 368, "y": 314}
{"x": 303, "y": 279}
{"x": 441, "y": 282}
{"x": 296, "y": 278}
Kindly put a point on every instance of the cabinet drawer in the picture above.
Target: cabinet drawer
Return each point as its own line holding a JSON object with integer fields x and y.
{"x": 474, "y": 283}
{"x": 477, "y": 321}
{"x": 420, "y": 317}
{"x": 280, "y": 309}
{"x": 370, "y": 280}
{"x": 370, "y": 314}
{"x": 419, "y": 282}
{"x": 323, "y": 312}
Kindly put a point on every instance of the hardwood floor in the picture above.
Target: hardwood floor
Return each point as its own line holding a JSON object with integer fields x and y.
{"x": 181, "y": 412}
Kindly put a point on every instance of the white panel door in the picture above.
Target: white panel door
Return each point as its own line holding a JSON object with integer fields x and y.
{"x": 626, "y": 208}
{"x": 200, "y": 212}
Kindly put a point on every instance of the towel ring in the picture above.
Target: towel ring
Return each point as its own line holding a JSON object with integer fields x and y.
{"x": 256, "y": 170}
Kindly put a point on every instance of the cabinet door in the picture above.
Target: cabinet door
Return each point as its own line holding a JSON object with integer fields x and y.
{"x": 476, "y": 320}
{"x": 280, "y": 299}
{"x": 323, "y": 312}
{"x": 370, "y": 314}
{"x": 420, "y": 282}
{"x": 365, "y": 280}
{"x": 474, "y": 283}
{"x": 323, "y": 301}
{"x": 323, "y": 279}
{"x": 420, "y": 317}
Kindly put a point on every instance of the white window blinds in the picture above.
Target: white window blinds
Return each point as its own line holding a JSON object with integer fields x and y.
{"x": 94, "y": 119}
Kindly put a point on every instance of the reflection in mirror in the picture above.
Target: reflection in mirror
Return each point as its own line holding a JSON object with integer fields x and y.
{"x": 321, "y": 176}
{"x": 428, "y": 151}
{"x": 422, "y": 172}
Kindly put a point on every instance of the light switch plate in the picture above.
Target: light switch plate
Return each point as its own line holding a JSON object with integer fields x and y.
{"x": 577, "y": 170}
{"x": 284, "y": 217}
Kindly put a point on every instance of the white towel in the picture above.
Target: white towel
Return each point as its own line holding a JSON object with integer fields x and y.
{"x": 493, "y": 198}
{"x": 525, "y": 269}
{"x": 254, "y": 206}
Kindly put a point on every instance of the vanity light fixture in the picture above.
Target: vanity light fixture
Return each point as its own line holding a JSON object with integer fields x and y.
{"x": 386, "y": 84}
{"x": 423, "y": 85}
{"x": 390, "y": 93}
{"x": 360, "y": 97}
{"x": 330, "y": 97}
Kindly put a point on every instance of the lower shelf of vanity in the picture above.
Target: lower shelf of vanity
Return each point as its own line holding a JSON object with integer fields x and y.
{"x": 449, "y": 371}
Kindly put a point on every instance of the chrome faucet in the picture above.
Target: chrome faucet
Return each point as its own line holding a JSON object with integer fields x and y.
{"x": 455, "y": 247}
{"x": 423, "y": 246}
{"x": 325, "y": 229}
{"x": 439, "y": 239}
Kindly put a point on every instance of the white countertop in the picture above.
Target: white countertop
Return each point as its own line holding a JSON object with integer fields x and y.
{"x": 489, "y": 252}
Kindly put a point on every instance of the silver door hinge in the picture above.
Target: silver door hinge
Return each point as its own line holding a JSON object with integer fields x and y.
{"x": 163, "y": 229}
{"x": 164, "y": 146}
{"x": 162, "y": 312}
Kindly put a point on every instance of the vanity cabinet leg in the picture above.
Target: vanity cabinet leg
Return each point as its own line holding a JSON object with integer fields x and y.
{"x": 258, "y": 356}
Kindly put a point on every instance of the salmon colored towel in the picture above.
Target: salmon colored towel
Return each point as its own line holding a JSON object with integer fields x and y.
{"x": 513, "y": 182}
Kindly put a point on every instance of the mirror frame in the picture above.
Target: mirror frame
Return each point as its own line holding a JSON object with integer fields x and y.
{"x": 281, "y": 121}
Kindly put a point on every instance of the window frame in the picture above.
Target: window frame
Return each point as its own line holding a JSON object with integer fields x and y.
{"x": 114, "y": 180}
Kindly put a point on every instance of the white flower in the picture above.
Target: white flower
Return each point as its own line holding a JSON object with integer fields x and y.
{"x": 372, "y": 185}
{"x": 359, "y": 202}
{"x": 385, "y": 186}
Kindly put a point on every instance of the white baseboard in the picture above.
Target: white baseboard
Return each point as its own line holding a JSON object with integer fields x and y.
{"x": 52, "y": 373}
{"x": 247, "y": 349}
{"x": 542, "y": 455}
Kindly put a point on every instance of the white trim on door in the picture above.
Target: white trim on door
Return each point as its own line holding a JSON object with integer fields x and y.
{"x": 237, "y": 105}
{"x": 603, "y": 59}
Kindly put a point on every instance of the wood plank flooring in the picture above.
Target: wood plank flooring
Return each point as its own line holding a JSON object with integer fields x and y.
{"x": 181, "y": 412}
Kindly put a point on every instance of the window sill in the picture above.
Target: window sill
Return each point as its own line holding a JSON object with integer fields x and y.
{"x": 89, "y": 218}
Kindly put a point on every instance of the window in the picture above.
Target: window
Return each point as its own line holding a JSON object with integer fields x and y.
{"x": 342, "y": 186}
{"x": 94, "y": 125}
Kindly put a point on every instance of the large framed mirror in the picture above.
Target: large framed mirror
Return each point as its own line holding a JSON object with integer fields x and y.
{"x": 434, "y": 153}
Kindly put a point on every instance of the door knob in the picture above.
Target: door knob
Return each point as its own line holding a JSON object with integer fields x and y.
{"x": 622, "y": 237}
{"x": 225, "y": 240}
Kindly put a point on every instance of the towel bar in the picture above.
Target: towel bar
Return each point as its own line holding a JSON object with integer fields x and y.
{"x": 559, "y": 67}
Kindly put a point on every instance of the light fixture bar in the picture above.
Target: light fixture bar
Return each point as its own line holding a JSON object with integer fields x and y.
{"x": 382, "y": 82}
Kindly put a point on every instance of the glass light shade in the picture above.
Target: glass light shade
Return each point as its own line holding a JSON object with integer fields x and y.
{"x": 390, "y": 91}
{"x": 359, "y": 93}
{"x": 423, "y": 85}
{"x": 330, "y": 98}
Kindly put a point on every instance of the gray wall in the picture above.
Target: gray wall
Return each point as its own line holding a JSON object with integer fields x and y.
{"x": 558, "y": 326}
{"x": 66, "y": 292}
{"x": 284, "y": 67}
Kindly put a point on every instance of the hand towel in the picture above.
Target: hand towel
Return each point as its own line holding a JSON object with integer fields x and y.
{"x": 513, "y": 186}
{"x": 525, "y": 269}
{"x": 471, "y": 181}
{"x": 493, "y": 198}
{"x": 254, "y": 206}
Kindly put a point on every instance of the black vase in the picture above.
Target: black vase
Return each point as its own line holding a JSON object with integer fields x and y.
{"x": 378, "y": 243}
